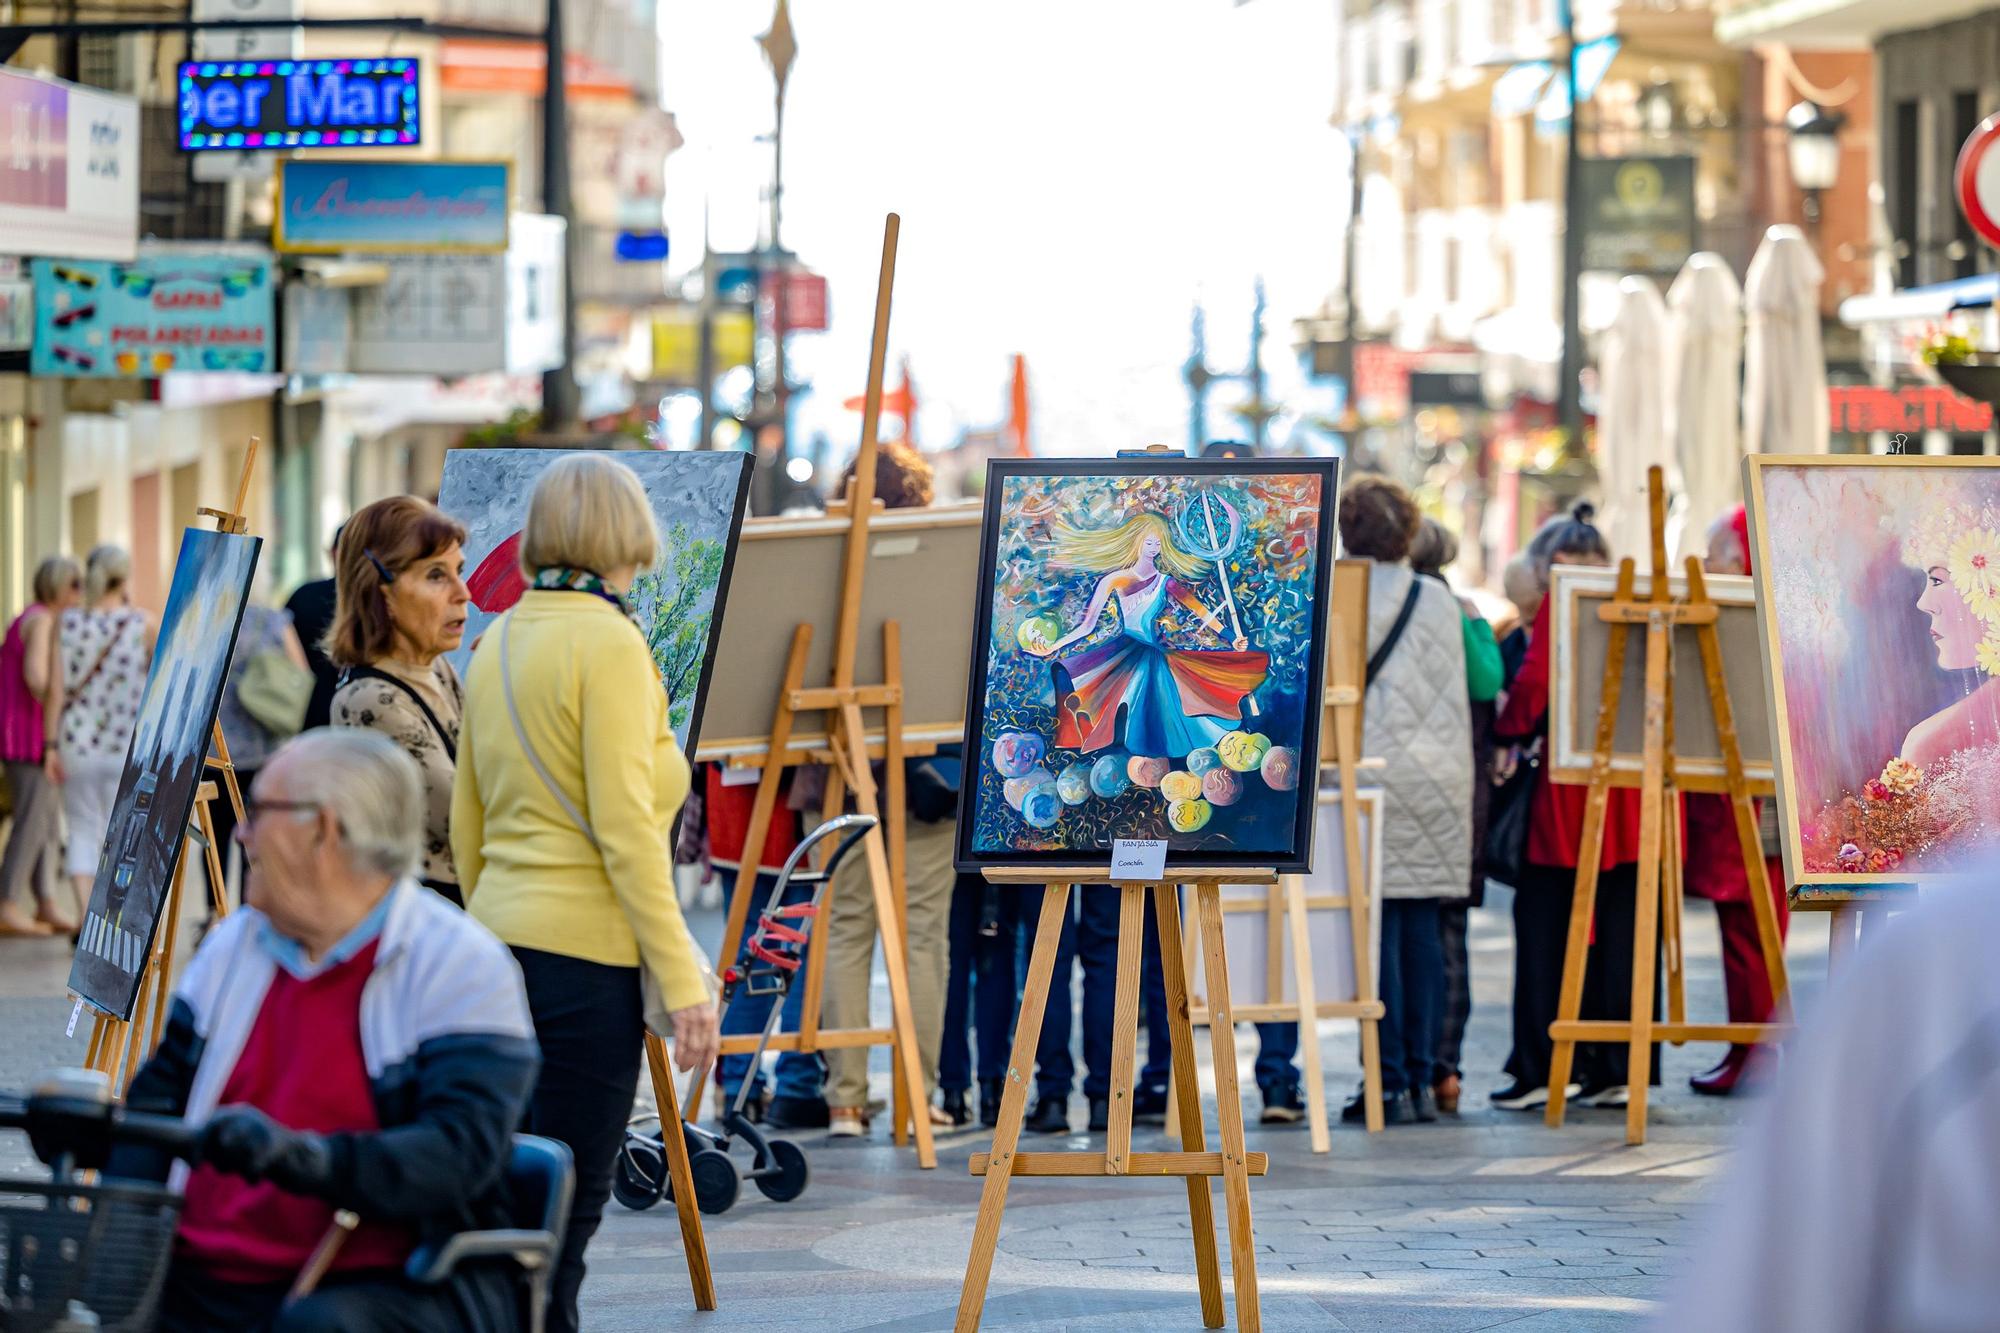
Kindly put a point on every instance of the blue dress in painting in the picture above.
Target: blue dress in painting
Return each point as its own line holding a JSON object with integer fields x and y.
{"x": 1173, "y": 700}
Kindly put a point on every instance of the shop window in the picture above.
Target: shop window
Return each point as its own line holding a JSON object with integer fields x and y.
{"x": 1904, "y": 197}
{"x": 1968, "y": 444}
{"x": 1964, "y": 120}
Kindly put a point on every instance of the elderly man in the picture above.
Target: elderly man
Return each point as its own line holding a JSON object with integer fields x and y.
{"x": 351, "y": 1041}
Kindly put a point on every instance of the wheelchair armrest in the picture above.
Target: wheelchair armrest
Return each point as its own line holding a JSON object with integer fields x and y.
{"x": 430, "y": 1265}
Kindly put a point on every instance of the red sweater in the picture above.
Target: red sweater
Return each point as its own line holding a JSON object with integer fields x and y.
{"x": 1555, "y": 819}
{"x": 729, "y": 823}
{"x": 302, "y": 1066}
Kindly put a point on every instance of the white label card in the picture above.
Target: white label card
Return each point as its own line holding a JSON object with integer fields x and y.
{"x": 1138, "y": 858}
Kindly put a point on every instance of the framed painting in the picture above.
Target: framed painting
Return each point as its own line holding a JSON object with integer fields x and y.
{"x": 698, "y": 501}
{"x": 1582, "y": 647}
{"x": 1879, "y": 590}
{"x": 163, "y": 767}
{"x": 1147, "y": 661}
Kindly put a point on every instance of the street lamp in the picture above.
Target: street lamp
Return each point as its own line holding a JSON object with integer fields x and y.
{"x": 1814, "y": 150}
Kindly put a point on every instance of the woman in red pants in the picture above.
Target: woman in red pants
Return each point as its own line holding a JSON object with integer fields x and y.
{"x": 1714, "y": 865}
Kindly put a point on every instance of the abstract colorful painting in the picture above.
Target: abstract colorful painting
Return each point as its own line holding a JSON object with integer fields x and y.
{"x": 698, "y": 501}
{"x": 163, "y": 767}
{"x": 1148, "y": 659}
{"x": 1879, "y": 583}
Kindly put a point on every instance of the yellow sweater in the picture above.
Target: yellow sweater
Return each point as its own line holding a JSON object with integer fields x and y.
{"x": 592, "y": 707}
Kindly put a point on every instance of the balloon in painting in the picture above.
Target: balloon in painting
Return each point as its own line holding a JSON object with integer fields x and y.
{"x": 1038, "y": 634}
{"x": 1073, "y": 784}
{"x": 1042, "y": 807}
{"x": 1281, "y": 768}
{"x": 1221, "y": 786}
{"x": 1108, "y": 777}
{"x": 1202, "y": 760}
{"x": 1147, "y": 770}
{"x": 1180, "y": 786}
{"x": 1015, "y": 752}
{"x": 1243, "y": 750}
{"x": 1018, "y": 788}
{"x": 1188, "y": 816}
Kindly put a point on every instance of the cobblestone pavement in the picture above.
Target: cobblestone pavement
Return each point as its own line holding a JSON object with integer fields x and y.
{"x": 1484, "y": 1220}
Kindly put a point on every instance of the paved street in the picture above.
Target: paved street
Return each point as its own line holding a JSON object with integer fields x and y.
{"x": 1487, "y": 1220}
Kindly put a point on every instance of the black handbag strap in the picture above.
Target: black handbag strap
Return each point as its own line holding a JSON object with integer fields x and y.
{"x": 1380, "y": 656}
{"x": 371, "y": 673}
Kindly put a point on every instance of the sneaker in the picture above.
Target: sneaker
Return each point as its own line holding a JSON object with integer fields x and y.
{"x": 1610, "y": 1095}
{"x": 753, "y": 1106}
{"x": 990, "y": 1091}
{"x": 952, "y": 1102}
{"x": 1283, "y": 1106}
{"x": 797, "y": 1113}
{"x": 1423, "y": 1106}
{"x": 1100, "y": 1114}
{"x": 1397, "y": 1109}
{"x": 1446, "y": 1094}
{"x": 1050, "y": 1116}
{"x": 1149, "y": 1106}
{"x": 1517, "y": 1096}
{"x": 847, "y": 1122}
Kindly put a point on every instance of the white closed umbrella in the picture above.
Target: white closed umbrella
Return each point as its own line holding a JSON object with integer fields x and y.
{"x": 1706, "y": 394}
{"x": 1784, "y": 367}
{"x": 1632, "y": 415}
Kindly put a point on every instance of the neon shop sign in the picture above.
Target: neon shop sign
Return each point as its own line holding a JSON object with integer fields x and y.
{"x": 239, "y": 104}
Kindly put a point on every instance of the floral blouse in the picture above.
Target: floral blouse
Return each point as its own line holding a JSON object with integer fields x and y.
{"x": 369, "y": 701}
{"x": 102, "y": 707}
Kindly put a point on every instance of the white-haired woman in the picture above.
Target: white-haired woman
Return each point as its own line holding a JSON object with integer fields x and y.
{"x": 107, "y": 648}
{"x": 568, "y": 781}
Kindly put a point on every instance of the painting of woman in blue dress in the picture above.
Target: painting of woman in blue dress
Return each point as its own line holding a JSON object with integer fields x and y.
{"x": 1147, "y": 660}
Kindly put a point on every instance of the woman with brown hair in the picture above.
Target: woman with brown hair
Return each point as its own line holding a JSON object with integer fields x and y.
{"x": 400, "y": 600}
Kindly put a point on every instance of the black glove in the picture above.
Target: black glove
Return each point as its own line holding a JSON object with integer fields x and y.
{"x": 245, "y": 1142}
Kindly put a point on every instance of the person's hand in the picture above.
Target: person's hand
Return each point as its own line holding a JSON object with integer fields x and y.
{"x": 1242, "y": 644}
{"x": 1506, "y": 760}
{"x": 243, "y": 1141}
{"x": 52, "y": 766}
{"x": 696, "y": 1035}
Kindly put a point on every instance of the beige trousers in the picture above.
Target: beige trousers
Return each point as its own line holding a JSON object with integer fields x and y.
{"x": 850, "y": 956}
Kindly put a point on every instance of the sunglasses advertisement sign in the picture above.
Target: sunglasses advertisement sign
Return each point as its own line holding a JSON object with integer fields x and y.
{"x": 200, "y": 308}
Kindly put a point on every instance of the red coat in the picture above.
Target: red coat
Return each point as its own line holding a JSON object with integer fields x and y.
{"x": 1555, "y": 821}
{"x": 1714, "y": 859}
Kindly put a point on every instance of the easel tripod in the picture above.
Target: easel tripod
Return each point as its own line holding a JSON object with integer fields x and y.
{"x": 1660, "y": 852}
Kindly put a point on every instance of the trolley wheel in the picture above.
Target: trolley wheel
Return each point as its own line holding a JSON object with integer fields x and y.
{"x": 641, "y": 1176}
{"x": 792, "y": 1172}
{"x": 715, "y": 1182}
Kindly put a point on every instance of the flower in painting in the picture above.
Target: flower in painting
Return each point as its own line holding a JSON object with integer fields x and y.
{"x": 1901, "y": 776}
{"x": 1849, "y": 856}
{"x": 1876, "y": 790}
{"x": 1974, "y": 564}
{"x": 1988, "y": 653}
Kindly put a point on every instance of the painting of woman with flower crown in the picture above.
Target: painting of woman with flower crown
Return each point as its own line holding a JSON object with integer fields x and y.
{"x": 1880, "y": 597}
{"x": 1148, "y": 659}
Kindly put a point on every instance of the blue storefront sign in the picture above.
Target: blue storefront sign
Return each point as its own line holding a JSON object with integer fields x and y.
{"x": 269, "y": 104}
{"x": 328, "y": 207}
{"x": 179, "y": 308}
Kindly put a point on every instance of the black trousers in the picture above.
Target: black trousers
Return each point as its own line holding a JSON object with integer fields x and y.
{"x": 1457, "y": 990}
{"x": 590, "y": 1023}
{"x": 195, "y": 1303}
{"x": 1541, "y": 934}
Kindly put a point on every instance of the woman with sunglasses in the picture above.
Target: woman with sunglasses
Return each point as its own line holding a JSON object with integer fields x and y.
{"x": 399, "y": 607}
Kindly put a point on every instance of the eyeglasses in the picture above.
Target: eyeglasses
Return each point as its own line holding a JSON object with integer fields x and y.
{"x": 255, "y": 809}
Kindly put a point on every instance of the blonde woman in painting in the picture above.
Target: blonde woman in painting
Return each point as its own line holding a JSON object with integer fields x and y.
{"x": 1174, "y": 700}
{"x": 1961, "y": 564}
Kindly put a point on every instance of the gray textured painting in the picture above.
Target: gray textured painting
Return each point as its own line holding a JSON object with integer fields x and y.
{"x": 698, "y": 501}
{"x": 163, "y": 767}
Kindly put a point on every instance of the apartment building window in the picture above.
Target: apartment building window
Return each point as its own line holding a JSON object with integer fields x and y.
{"x": 1964, "y": 120}
{"x": 1908, "y": 175}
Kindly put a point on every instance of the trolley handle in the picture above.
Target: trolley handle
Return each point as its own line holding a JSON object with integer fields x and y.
{"x": 78, "y": 1124}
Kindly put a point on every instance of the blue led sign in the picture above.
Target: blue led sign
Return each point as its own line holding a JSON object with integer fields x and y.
{"x": 274, "y": 104}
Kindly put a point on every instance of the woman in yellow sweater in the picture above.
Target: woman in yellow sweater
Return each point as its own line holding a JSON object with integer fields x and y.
{"x": 568, "y": 781}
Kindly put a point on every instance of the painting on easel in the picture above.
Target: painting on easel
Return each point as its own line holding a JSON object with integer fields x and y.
{"x": 164, "y": 766}
{"x": 698, "y": 501}
{"x": 1148, "y": 660}
{"x": 1880, "y": 596}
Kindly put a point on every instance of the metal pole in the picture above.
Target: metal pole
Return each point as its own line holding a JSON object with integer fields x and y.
{"x": 1569, "y": 406}
{"x": 559, "y": 397}
{"x": 780, "y": 288}
{"x": 1350, "y": 288}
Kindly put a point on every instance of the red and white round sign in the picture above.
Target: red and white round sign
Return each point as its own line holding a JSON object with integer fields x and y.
{"x": 1978, "y": 180}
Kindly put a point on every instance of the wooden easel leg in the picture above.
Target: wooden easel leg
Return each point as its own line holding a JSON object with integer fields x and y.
{"x": 1013, "y": 1107}
{"x": 1125, "y": 1027}
{"x": 1229, "y": 1111}
{"x": 1653, "y": 812}
{"x": 1302, "y": 983}
{"x": 681, "y": 1173}
{"x": 1843, "y": 925}
{"x": 163, "y": 957}
{"x": 1576, "y": 952}
{"x": 1672, "y": 909}
{"x": 1186, "y": 1099}
{"x": 218, "y": 888}
{"x": 1360, "y": 912}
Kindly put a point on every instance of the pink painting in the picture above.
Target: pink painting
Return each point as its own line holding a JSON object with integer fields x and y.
{"x": 1881, "y": 587}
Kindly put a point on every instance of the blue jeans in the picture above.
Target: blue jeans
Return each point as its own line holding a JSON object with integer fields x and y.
{"x": 801, "y": 1076}
{"x": 1090, "y": 935}
{"x": 1277, "y": 1048}
{"x": 1412, "y": 991}
{"x": 983, "y": 987}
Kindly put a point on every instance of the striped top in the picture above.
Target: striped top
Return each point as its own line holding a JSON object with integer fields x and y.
{"x": 21, "y": 734}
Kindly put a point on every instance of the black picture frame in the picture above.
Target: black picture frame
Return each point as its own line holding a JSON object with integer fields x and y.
{"x": 1298, "y": 857}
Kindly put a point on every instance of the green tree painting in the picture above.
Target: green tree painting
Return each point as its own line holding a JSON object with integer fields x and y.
{"x": 681, "y": 591}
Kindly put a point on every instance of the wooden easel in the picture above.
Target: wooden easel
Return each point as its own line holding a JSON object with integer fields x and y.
{"x": 1286, "y": 904}
{"x": 680, "y": 1174}
{"x": 115, "y": 1046}
{"x": 848, "y": 753}
{"x": 1235, "y": 1164}
{"x": 1660, "y": 851}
